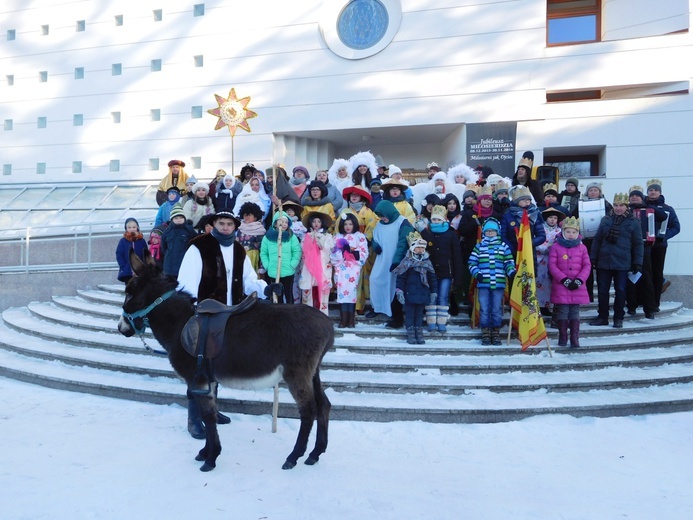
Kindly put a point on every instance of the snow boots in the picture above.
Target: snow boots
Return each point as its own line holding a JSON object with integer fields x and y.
{"x": 431, "y": 317}
{"x": 562, "y": 333}
{"x": 411, "y": 336}
{"x": 486, "y": 336}
{"x": 495, "y": 336}
{"x": 418, "y": 332}
{"x": 442, "y": 318}
{"x": 574, "y": 333}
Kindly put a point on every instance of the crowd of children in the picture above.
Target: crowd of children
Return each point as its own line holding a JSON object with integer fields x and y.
{"x": 355, "y": 234}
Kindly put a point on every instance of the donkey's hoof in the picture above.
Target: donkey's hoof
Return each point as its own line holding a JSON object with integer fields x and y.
{"x": 289, "y": 465}
{"x": 207, "y": 467}
{"x": 311, "y": 460}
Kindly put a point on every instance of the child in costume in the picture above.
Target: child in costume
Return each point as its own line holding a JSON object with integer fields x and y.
{"x": 316, "y": 276}
{"x": 348, "y": 257}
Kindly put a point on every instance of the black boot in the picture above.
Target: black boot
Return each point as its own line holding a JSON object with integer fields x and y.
{"x": 418, "y": 332}
{"x": 342, "y": 319}
{"x": 562, "y": 333}
{"x": 411, "y": 336}
{"x": 574, "y": 333}
{"x": 351, "y": 320}
{"x": 195, "y": 426}
{"x": 486, "y": 336}
{"x": 495, "y": 336}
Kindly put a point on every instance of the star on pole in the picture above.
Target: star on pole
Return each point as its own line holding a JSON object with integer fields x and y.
{"x": 232, "y": 112}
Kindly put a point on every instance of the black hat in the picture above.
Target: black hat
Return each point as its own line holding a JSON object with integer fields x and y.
{"x": 326, "y": 219}
{"x": 224, "y": 214}
{"x": 553, "y": 212}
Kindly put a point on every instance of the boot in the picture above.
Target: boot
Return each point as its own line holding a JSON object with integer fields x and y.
{"x": 351, "y": 320}
{"x": 574, "y": 333}
{"x": 495, "y": 336}
{"x": 418, "y": 332}
{"x": 486, "y": 336}
{"x": 342, "y": 319}
{"x": 195, "y": 426}
{"x": 442, "y": 318}
{"x": 411, "y": 336}
{"x": 562, "y": 333}
{"x": 554, "y": 321}
{"x": 431, "y": 316}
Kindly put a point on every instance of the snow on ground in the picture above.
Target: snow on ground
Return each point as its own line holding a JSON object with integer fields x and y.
{"x": 75, "y": 456}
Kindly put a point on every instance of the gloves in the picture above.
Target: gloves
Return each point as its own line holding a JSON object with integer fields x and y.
{"x": 376, "y": 247}
{"x": 434, "y": 298}
{"x": 566, "y": 282}
{"x": 399, "y": 294}
{"x": 575, "y": 284}
{"x": 479, "y": 277}
{"x": 393, "y": 267}
{"x": 274, "y": 288}
{"x": 635, "y": 268}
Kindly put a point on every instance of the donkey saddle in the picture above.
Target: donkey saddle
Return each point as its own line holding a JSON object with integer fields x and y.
{"x": 203, "y": 334}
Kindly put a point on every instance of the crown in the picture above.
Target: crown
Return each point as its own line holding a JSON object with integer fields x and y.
{"x": 526, "y": 162}
{"x": 571, "y": 222}
{"x": 635, "y": 188}
{"x": 485, "y": 190}
{"x": 501, "y": 185}
{"x": 413, "y": 237}
{"x": 654, "y": 182}
{"x": 473, "y": 187}
{"x": 521, "y": 191}
{"x": 621, "y": 198}
{"x": 550, "y": 186}
{"x": 440, "y": 212}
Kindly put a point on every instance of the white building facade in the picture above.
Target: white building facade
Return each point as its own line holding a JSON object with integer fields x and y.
{"x": 110, "y": 91}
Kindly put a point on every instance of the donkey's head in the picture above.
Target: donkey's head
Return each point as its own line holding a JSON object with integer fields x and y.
{"x": 142, "y": 292}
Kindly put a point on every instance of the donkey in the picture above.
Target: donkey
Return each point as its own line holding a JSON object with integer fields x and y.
{"x": 267, "y": 344}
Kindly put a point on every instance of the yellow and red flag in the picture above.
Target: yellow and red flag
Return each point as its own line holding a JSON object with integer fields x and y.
{"x": 526, "y": 317}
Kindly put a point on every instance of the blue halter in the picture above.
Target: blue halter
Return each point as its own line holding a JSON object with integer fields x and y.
{"x": 144, "y": 312}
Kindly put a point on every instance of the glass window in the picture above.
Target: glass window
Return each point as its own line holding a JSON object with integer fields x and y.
{"x": 81, "y": 25}
{"x": 158, "y": 15}
{"x": 362, "y": 24}
{"x": 199, "y": 10}
{"x": 29, "y": 198}
{"x": 76, "y": 166}
{"x": 575, "y": 166}
{"x": 199, "y": 60}
{"x": 7, "y": 169}
{"x": 79, "y": 72}
{"x": 116, "y": 69}
{"x": 41, "y": 168}
{"x": 155, "y": 114}
{"x": 196, "y": 162}
{"x": 153, "y": 165}
{"x": 156, "y": 65}
{"x": 42, "y": 122}
{"x": 44, "y": 30}
{"x": 196, "y": 112}
{"x": 10, "y": 79}
{"x": 573, "y": 21}
{"x": 77, "y": 120}
{"x": 43, "y": 76}
{"x": 116, "y": 117}
{"x": 118, "y": 20}
{"x": 11, "y": 34}
{"x": 114, "y": 165}
{"x": 9, "y": 124}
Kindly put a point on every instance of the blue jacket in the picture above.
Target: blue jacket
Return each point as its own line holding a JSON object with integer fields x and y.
{"x": 174, "y": 244}
{"x": 617, "y": 251}
{"x": 510, "y": 226}
{"x": 673, "y": 227}
{"x": 123, "y": 255}
{"x": 415, "y": 292}
{"x": 492, "y": 258}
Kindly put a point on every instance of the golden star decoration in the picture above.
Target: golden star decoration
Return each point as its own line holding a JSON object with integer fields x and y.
{"x": 232, "y": 112}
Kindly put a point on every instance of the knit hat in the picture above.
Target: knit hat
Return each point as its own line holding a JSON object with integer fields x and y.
{"x": 501, "y": 187}
{"x": 177, "y": 210}
{"x": 173, "y": 188}
{"x": 191, "y": 180}
{"x": 176, "y": 162}
{"x": 637, "y": 191}
{"x": 394, "y": 169}
{"x": 374, "y": 181}
{"x": 201, "y": 185}
{"x": 301, "y": 169}
{"x": 654, "y": 184}
{"x": 591, "y": 185}
{"x": 439, "y": 212}
{"x": 571, "y": 222}
{"x": 521, "y": 193}
{"x": 320, "y": 185}
{"x": 131, "y": 219}
{"x": 493, "y": 179}
{"x": 469, "y": 193}
{"x": 572, "y": 180}
{"x": 621, "y": 198}
{"x": 414, "y": 240}
{"x": 358, "y": 190}
{"x": 439, "y": 176}
{"x": 156, "y": 231}
{"x": 550, "y": 189}
{"x": 490, "y": 224}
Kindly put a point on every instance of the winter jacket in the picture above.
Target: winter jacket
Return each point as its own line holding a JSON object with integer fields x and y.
{"x": 334, "y": 197}
{"x": 620, "y": 252}
{"x": 492, "y": 258}
{"x": 673, "y": 226}
{"x": 569, "y": 262}
{"x": 469, "y": 228}
{"x": 510, "y": 227}
{"x": 123, "y": 255}
{"x": 445, "y": 253}
{"x": 570, "y": 202}
{"x": 415, "y": 292}
{"x": 194, "y": 211}
{"x": 174, "y": 244}
{"x": 269, "y": 249}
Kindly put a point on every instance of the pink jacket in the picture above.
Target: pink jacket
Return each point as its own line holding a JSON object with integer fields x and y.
{"x": 564, "y": 262}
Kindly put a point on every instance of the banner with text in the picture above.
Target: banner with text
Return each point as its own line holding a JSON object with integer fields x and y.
{"x": 492, "y": 144}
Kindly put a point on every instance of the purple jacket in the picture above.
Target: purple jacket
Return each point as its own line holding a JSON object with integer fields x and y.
{"x": 568, "y": 262}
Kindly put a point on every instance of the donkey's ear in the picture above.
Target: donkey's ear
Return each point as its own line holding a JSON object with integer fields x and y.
{"x": 149, "y": 259}
{"x": 137, "y": 265}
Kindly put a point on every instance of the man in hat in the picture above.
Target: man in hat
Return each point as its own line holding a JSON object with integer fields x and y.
{"x": 176, "y": 177}
{"x": 669, "y": 229}
{"x": 523, "y": 177}
{"x": 651, "y": 218}
{"x": 512, "y": 218}
{"x": 617, "y": 249}
{"x": 551, "y": 198}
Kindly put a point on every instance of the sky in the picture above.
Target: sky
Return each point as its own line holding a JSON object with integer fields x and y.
{"x": 79, "y": 456}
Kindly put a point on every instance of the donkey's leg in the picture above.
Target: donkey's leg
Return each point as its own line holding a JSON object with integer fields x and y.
{"x": 323, "y": 409}
{"x": 302, "y": 391}
{"x": 212, "y": 447}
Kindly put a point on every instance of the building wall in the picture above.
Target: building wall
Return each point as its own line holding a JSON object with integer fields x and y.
{"x": 450, "y": 63}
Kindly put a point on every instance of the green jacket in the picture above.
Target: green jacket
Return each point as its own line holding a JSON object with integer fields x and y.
{"x": 290, "y": 247}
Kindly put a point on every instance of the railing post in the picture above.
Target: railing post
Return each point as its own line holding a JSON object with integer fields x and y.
{"x": 89, "y": 244}
{"x": 26, "y": 252}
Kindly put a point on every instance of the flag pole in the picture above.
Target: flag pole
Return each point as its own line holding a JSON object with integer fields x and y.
{"x": 510, "y": 324}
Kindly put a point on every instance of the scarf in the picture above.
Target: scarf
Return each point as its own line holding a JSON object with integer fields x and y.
{"x": 297, "y": 182}
{"x": 132, "y": 236}
{"x": 253, "y": 229}
{"x": 319, "y": 202}
{"x": 272, "y": 234}
{"x": 439, "y": 227}
{"x": 224, "y": 240}
{"x": 482, "y": 211}
{"x": 615, "y": 229}
{"x": 421, "y": 265}
{"x": 155, "y": 250}
{"x": 532, "y": 212}
{"x": 356, "y": 206}
{"x": 568, "y": 243}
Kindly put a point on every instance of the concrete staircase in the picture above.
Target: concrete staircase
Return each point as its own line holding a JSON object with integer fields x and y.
{"x": 72, "y": 344}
